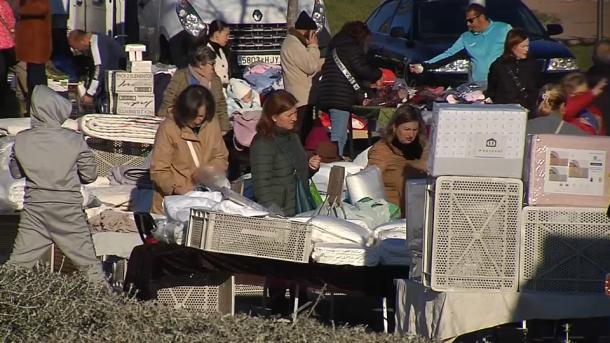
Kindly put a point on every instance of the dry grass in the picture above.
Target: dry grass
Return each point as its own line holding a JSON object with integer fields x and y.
{"x": 45, "y": 307}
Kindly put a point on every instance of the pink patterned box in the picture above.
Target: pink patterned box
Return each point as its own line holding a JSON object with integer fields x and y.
{"x": 569, "y": 171}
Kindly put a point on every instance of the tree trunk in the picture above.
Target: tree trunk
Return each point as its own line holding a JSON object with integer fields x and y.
{"x": 292, "y": 12}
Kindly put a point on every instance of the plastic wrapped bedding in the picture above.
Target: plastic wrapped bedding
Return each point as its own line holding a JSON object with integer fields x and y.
{"x": 352, "y": 215}
{"x": 366, "y": 183}
{"x": 393, "y": 251}
{"x": 328, "y": 229}
{"x": 345, "y": 254}
{"x": 178, "y": 207}
{"x": 396, "y": 229}
{"x": 567, "y": 170}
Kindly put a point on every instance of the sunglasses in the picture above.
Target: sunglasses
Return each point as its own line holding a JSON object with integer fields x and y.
{"x": 470, "y": 20}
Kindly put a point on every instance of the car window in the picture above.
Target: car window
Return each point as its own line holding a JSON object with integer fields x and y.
{"x": 444, "y": 19}
{"x": 380, "y": 21}
{"x": 439, "y": 19}
{"x": 518, "y": 16}
{"x": 404, "y": 15}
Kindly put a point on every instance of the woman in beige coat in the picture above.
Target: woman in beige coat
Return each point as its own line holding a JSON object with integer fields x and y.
{"x": 402, "y": 154}
{"x": 200, "y": 71}
{"x": 300, "y": 56}
{"x": 185, "y": 143}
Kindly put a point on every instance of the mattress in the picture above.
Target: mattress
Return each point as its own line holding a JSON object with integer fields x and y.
{"x": 568, "y": 171}
{"x": 345, "y": 254}
{"x": 477, "y": 140}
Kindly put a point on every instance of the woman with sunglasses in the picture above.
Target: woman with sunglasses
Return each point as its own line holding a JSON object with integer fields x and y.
{"x": 513, "y": 77}
{"x": 200, "y": 71}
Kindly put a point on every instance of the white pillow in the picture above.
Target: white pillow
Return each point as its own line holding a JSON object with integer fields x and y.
{"x": 366, "y": 183}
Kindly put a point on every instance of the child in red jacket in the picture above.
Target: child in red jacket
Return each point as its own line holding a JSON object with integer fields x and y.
{"x": 580, "y": 110}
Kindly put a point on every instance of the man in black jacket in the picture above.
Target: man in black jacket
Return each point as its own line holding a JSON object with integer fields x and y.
{"x": 345, "y": 74}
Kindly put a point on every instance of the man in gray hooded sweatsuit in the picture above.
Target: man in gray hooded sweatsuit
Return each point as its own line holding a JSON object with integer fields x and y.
{"x": 54, "y": 161}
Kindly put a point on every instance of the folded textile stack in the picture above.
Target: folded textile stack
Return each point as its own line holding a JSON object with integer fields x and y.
{"x": 127, "y": 128}
{"x": 345, "y": 254}
{"x": 105, "y": 219}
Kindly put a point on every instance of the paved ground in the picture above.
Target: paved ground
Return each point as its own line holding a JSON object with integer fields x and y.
{"x": 578, "y": 17}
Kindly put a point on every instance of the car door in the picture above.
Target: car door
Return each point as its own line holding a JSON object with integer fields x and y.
{"x": 399, "y": 40}
{"x": 379, "y": 23}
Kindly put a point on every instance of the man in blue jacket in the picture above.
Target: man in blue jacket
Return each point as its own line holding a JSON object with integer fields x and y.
{"x": 483, "y": 43}
{"x": 107, "y": 54}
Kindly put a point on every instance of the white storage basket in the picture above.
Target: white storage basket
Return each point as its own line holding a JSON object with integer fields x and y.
{"x": 475, "y": 243}
{"x": 207, "y": 294}
{"x": 272, "y": 238}
{"x": 564, "y": 249}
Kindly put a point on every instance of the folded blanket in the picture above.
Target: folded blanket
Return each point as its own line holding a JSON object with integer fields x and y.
{"x": 127, "y": 128}
{"x": 108, "y": 219}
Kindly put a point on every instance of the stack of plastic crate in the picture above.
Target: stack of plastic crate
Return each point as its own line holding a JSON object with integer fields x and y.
{"x": 463, "y": 221}
{"x": 565, "y": 230}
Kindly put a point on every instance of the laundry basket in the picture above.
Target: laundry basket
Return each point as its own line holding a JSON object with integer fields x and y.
{"x": 273, "y": 238}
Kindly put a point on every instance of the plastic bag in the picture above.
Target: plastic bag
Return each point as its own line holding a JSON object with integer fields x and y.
{"x": 379, "y": 210}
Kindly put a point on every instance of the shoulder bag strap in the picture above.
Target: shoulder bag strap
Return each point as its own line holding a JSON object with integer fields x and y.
{"x": 345, "y": 72}
{"x": 287, "y": 155}
{"x": 193, "y": 153}
{"x": 559, "y": 127}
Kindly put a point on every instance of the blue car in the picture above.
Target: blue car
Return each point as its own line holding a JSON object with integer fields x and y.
{"x": 413, "y": 31}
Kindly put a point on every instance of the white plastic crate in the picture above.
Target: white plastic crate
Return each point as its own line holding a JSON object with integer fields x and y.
{"x": 109, "y": 154}
{"x": 208, "y": 294}
{"x": 564, "y": 249}
{"x": 272, "y": 238}
{"x": 478, "y": 140}
{"x": 475, "y": 243}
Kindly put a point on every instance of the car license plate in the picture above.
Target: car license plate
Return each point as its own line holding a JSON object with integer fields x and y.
{"x": 244, "y": 60}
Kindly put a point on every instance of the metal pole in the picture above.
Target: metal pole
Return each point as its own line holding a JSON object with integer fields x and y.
{"x": 600, "y": 20}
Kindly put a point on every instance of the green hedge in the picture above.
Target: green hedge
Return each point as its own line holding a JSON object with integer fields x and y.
{"x": 49, "y": 307}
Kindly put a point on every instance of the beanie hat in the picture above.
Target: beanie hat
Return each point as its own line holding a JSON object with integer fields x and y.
{"x": 304, "y": 22}
{"x": 238, "y": 88}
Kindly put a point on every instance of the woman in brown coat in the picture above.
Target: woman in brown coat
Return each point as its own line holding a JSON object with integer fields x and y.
{"x": 185, "y": 143}
{"x": 200, "y": 71}
{"x": 33, "y": 40}
{"x": 402, "y": 154}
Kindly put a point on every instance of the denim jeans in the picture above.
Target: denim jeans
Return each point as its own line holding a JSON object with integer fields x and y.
{"x": 338, "y": 127}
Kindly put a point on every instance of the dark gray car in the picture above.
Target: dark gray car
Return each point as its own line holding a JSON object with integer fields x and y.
{"x": 412, "y": 31}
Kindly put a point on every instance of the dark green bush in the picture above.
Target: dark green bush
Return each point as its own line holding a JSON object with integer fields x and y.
{"x": 48, "y": 307}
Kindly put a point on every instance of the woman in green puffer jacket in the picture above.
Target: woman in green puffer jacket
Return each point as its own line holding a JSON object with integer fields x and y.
{"x": 276, "y": 154}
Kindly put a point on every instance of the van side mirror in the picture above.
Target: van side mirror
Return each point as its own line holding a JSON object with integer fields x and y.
{"x": 554, "y": 29}
{"x": 398, "y": 32}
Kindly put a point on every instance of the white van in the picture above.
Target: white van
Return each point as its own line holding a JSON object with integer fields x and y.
{"x": 258, "y": 27}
